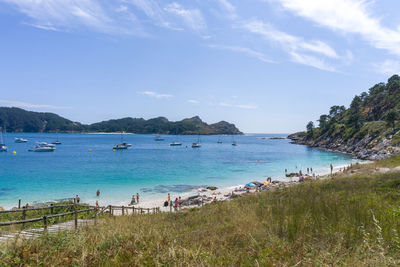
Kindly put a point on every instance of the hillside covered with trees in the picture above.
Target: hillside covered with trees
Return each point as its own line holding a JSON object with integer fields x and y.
{"x": 368, "y": 128}
{"x": 19, "y": 120}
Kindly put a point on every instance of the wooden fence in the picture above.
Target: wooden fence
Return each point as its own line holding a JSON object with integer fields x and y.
{"x": 97, "y": 211}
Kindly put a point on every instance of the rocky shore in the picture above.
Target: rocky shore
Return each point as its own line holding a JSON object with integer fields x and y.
{"x": 367, "y": 148}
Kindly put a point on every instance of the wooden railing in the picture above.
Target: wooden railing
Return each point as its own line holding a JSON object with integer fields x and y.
{"x": 97, "y": 211}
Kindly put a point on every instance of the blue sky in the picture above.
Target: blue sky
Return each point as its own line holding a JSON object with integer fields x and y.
{"x": 265, "y": 65}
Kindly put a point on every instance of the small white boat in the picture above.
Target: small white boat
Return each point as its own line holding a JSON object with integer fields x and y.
{"x": 196, "y": 145}
{"x": 175, "y": 144}
{"x": 20, "y": 140}
{"x": 234, "y": 143}
{"x": 44, "y": 144}
{"x": 56, "y": 143}
{"x": 120, "y": 146}
{"x": 126, "y": 144}
{"x": 3, "y": 148}
{"x": 158, "y": 138}
{"x": 42, "y": 149}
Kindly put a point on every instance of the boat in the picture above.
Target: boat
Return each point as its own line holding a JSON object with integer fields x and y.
{"x": 57, "y": 142}
{"x": 219, "y": 141}
{"x": 44, "y": 144}
{"x": 3, "y": 147}
{"x": 20, "y": 140}
{"x": 175, "y": 144}
{"x": 41, "y": 148}
{"x": 158, "y": 138}
{"x": 196, "y": 144}
{"x": 234, "y": 143}
{"x": 123, "y": 145}
{"x": 120, "y": 146}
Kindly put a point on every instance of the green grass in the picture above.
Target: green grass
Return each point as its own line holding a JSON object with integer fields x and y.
{"x": 352, "y": 221}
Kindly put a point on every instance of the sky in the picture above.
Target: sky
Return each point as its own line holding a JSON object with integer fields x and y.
{"x": 268, "y": 66}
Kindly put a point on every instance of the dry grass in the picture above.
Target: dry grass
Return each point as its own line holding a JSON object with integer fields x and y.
{"x": 345, "y": 221}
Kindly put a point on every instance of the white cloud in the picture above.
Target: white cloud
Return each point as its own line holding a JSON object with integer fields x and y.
{"x": 77, "y": 14}
{"x": 155, "y": 95}
{"x": 228, "y": 8}
{"x": 295, "y": 46}
{"x": 388, "y": 67}
{"x": 193, "y": 18}
{"x": 193, "y": 101}
{"x": 244, "y": 50}
{"x": 348, "y": 16}
{"x": 12, "y": 103}
{"x": 223, "y": 104}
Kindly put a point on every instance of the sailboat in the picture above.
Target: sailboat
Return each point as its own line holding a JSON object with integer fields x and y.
{"x": 219, "y": 140}
{"x": 57, "y": 142}
{"x": 3, "y": 147}
{"x": 196, "y": 144}
{"x": 175, "y": 143}
{"x": 234, "y": 143}
{"x": 123, "y": 144}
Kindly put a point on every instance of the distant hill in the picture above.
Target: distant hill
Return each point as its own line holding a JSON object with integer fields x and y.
{"x": 20, "y": 120}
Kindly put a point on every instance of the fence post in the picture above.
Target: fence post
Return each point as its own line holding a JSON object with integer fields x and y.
{"x": 133, "y": 210}
{"x": 123, "y": 211}
{"x": 75, "y": 214}
{"x": 95, "y": 215}
{"x": 148, "y": 210}
{"x": 23, "y": 216}
{"x": 19, "y": 203}
{"x": 170, "y": 206}
{"x": 110, "y": 211}
{"x": 52, "y": 208}
{"x": 45, "y": 223}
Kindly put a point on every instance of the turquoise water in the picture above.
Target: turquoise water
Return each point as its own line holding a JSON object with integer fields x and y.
{"x": 152, "y": 168}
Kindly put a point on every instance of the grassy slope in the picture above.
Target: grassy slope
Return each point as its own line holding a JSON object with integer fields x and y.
{"x": 345, "y": 221}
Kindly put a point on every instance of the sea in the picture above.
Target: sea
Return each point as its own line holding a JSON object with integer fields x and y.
{"x": 85, "y": 163}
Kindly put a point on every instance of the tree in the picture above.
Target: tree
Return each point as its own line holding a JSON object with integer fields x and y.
{"x": 391, "y": 117}
{"x": 310, "y": 129}
{"x": 323, "y": 121}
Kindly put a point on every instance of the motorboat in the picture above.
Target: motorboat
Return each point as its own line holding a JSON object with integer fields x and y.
{"x": 126, "y": 144}
{"x": 40, "y": 148}
{"x": 3, "y": 148}
{"x": 44, "y": 144}
{"x": 175, "y": 144}
{"x": 158, "y": 138}
{"x": 20, "y": 140}
{"x": 234, "y": 143}
{"x": 120, "y": 146}
{"x": 56, "y": 143}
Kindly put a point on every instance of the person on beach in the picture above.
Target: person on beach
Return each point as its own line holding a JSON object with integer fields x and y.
{"x": 169, "y": 199}
{"x": 137, "y": 198}
{"x": 97, "y": 203}
{"x": 308, "y": 170}
{"x": 78, "y": 199}
{"x": 311, "y": 169}
{"x": 301, "y": 179}
{"x": 97, "y": 193}
{"x": 176, "y": 203}
{"x": 133, "y": 201}
{"x": 285, "y": 171}
{"x": 331, "y": 168}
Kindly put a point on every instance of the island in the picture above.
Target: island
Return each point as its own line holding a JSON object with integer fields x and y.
{"x": 20, "y": 120}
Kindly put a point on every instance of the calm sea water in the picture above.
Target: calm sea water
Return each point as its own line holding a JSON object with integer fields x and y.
{"x": 152, "y": 168}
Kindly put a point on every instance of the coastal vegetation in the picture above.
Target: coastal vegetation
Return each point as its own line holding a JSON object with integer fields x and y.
{"x": 19, "y": 120}
{"x": 352, "y": 219}
{"x": 368, "y": 128}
